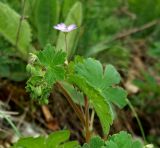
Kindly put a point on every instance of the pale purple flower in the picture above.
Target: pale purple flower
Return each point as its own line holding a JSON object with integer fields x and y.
{"x": 64, "y": 28}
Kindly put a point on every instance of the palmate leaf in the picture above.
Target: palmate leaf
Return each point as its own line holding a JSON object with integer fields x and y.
{"x": 52, "y": 61}
{"x": 122, "y": 140}
{"x": 54, "y": 140}
{"x": 9, "y": 22}
{"x": 45, "y": 71}
{"x": 99, "y": 86}
{"x": 116, "y": 95}
{"x": 102, "y": 80}
{"x": 95, "y": 142}
{"x": 99, "y": 103}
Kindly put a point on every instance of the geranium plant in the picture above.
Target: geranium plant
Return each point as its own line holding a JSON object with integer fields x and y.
{"x": 96, "y": 84}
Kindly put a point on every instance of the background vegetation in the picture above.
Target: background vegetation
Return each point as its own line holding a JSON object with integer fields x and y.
{"x": 124, "y": 33}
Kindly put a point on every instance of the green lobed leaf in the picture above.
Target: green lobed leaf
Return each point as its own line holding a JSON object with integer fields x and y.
{"x": 102, "y": 80}
{"x": 116, "y": 95}
{"x": 95, "y": 142}
{"x": 111, "y": 76}
{"x": 46, "y": 15}
{"x": 122, "y": 140}
{"x": 96, "y": 99}
{"x": 46, "y": 68}
{"x": 54, "y": 140}
{"x": 50, "y": 57}
{"x": 9, "y": 24}
{"x": 99, "y": 103}
{"x": 98, "y": 85}
{"x": 53, "y": 62}
{"x": 74, "y": 17}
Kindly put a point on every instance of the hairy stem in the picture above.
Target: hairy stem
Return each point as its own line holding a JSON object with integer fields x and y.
{"x": 92, "y": 120}
{"x": 72, "y": 104}
{"x": 87, "y": 122}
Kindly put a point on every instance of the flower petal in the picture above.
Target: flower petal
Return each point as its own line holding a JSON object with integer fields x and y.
{"x": 56, "y": 27}
{"x": 62, "y": 27}
{"x": 72, "y": 27}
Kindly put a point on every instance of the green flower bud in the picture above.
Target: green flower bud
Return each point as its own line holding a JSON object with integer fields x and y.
{"x": 38, "y": 90}
{"x": 32, "y": 58}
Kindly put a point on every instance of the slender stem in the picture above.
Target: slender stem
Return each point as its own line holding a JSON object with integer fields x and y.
{"x": 138, "y": 120}
{"x": 70, "y": 101}
{"x": 87, "y": 130}
{"x": 92, "y": 120}
{"x": 65, "y": 38}
{"x": 81, "y": 108}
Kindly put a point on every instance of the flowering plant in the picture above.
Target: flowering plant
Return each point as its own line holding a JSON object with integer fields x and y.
{"x": 98, "y": 88}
